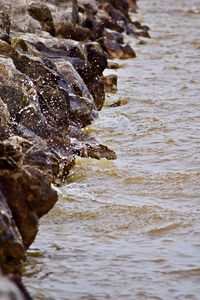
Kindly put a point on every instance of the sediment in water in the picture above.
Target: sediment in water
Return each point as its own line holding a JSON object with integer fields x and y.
{"x": 52, "y": 59}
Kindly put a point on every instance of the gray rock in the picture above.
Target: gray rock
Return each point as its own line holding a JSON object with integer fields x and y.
{"x": 9, "y": 291}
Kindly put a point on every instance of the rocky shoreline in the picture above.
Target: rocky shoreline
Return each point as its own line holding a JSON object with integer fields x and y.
{"x": 52, "y": 58}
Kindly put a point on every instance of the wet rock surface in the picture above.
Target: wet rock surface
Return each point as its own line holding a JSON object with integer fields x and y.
{"x": 52, "y": 58}
{"x": 9, "y": 290}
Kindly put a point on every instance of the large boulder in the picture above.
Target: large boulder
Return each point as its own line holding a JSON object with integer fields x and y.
{"x": 26, "y": 189}
{"x": 11, "y": 245}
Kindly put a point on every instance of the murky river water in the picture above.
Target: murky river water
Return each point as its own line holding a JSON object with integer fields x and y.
{"x": 130, "y": 229}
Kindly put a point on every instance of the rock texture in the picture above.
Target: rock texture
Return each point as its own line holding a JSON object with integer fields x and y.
{"x": 52, "y": 58}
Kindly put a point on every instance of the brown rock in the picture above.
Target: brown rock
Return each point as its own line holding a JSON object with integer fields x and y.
{"x": 11, "y": 246}
{"x": 114, "y": 36}
{"x": 89, "y": 5}
{"x": 5, "y": 122}
{"x": 99, "y": 151}
{"x": 7, "y": 50}
{"x": 143, "y": 33}
{"x": 70, "y": 31}
{"x": 110, "y": 83}
{"x": 86, "y": 146}
{"x": 81, "y": 101}
{"x": 113, "y": 65}
{"x": 42, "y": 13}
{"x": 5, "y": 23}
{"x": 26, "y": 190}
{"x": 128, "y": 52}
{"x": 133, "y": 5}
{"x": 119, "y": 102}
{"x": 109, "y": 22}
{"x": 114, "y": 49}
{"x": 115, "y": 14}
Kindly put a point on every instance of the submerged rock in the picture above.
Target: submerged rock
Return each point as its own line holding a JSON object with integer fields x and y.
{"x": 119, "y": 102}
{"x": 110, "y": 83}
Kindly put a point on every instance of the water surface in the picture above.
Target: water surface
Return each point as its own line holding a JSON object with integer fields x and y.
{"x": 129, "y": 229}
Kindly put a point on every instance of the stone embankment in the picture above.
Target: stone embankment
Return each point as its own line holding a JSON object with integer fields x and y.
{"x": 52, "y": 57}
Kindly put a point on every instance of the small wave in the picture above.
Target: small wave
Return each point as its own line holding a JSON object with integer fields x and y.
{"x": 193, "y": 11}
{"x": 165, "y": 229}
{"x": 134, "y": 180}
{"x": 191, "y": 271}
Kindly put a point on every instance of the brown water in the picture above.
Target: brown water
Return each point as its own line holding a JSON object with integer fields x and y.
{"x": 129, "y": 229}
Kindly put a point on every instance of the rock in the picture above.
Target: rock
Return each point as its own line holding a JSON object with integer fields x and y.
{"x": 5, "y": 122}
{"x": 95, "y": 57}
{"x": 115, "y": 50}
{"x": 96, "y": 87}
{"x": 26, "y": 190}
{"x": 133, "y": 5}
{"x": 10, "y": 291}
{"x": 113, "y": 65}
{"x": 119, "y": 102}
{"x": 68, "y": 30}
{"x": 15, "y": 3}
{"x": 115, "y": 14}
{"x": 60, "y": 47}
{"x": 122, "y": 6}
{"x": 65, "y": 166}
{"x": 143, "y": 33}
{"x": 17, "y": 281}
{"x": 80, "y": 100}
{"x": 93, "y": 76}
{"x": 141, "y": 30}
{"x": 94, "y": 24}
{"x": 89, "y": 5}
{"x": 87, "y": 147}
{"x": 21, "y": 21}
{"x": 110, "y": 83}
{"x": 128, "y": 52}
{"x": 11, "y": 246}
{"x": 139, "y": 26}
{"x": 7, "y": 51}
{"x": 21, "y": 96}
{"x": 68, "y": 94}
{"x": 99, "y": 151}
{"x": 114, "y": 36}
{"x": 109, "y": 22}
{"x": 42, "y": 14}
{"x": 52, "y": 100}
{"x": 5, "y": 23}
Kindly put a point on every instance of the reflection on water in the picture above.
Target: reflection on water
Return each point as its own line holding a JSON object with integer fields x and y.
{"x": 129, "y": 229}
